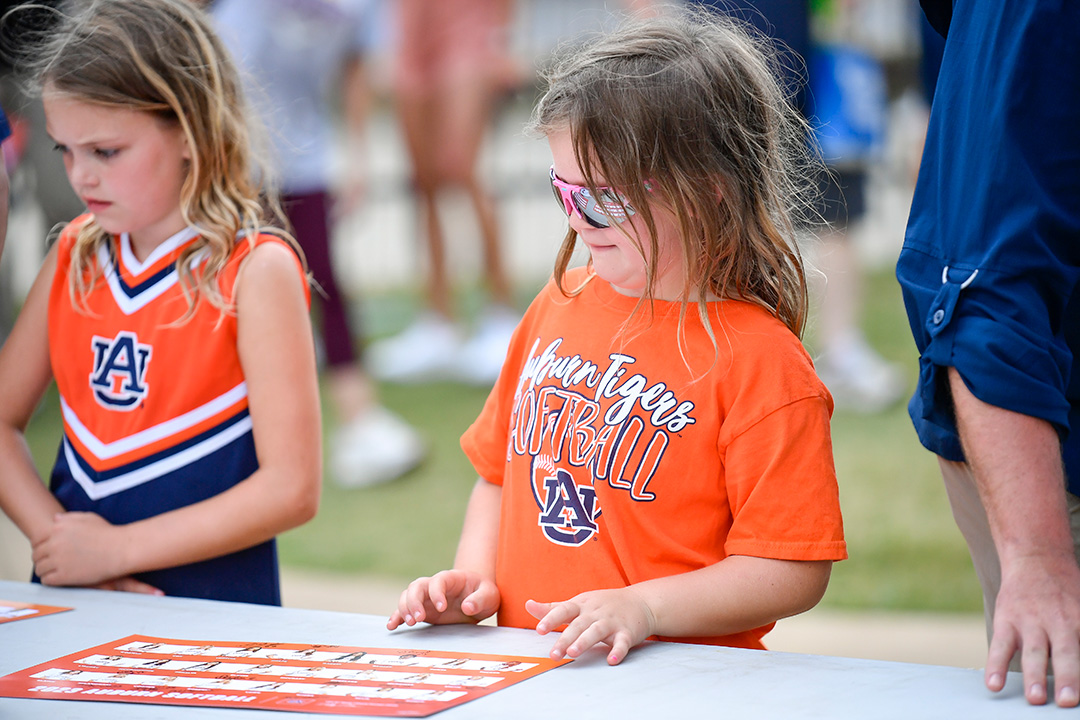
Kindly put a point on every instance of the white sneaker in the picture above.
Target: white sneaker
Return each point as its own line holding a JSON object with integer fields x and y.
{"x": 426, "y": 350}
{"x": 376, "y": 448}
{"x": 481, "y": 357}
{"x": 858, "y": 378}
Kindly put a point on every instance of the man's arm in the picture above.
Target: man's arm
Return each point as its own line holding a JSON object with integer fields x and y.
{"x": 1016, "y": 460}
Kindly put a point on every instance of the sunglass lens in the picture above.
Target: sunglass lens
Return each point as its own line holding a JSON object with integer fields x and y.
{"x": 558, "y": 195}
{"x": 589, "y": 209}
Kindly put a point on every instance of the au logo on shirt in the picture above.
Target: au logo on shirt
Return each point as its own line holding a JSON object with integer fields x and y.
{"x": 568, "y": 511}
{"x": 119, "y": 377}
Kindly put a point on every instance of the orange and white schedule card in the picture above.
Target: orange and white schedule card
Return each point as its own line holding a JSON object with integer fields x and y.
{"x": 328, "y": 679}
{"x": 10, "y": 611}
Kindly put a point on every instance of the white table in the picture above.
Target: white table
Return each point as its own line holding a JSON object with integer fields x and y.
{"x": 659, "y": 680}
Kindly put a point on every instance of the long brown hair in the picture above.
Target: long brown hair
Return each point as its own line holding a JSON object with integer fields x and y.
{"x": 689, "y": 103}
{"x": 163, "y": 58}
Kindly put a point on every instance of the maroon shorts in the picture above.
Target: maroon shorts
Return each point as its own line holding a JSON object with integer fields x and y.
{"x": 309, "y": 215}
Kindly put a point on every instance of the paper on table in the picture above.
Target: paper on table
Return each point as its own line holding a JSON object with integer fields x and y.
{"x": 273, "y": 676}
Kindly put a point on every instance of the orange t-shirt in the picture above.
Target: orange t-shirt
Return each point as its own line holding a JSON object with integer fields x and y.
{"x": 623, "y": 459}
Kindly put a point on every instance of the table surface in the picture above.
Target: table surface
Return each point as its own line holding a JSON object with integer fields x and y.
{"x": 656, "y": 680}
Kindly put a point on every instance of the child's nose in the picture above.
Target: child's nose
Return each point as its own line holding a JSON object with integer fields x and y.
{"x": 80, "y": 174}
{"x": 578, "y": 223}
{"x": 569, "y": 207}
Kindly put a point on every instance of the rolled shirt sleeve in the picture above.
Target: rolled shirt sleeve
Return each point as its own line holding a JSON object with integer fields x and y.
{"x": 990, "y": 261}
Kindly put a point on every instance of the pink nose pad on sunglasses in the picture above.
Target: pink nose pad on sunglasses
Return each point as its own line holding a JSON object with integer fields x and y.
{"x": 600, "y": 212}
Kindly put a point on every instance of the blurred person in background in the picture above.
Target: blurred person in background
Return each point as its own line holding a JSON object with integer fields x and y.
{"x": 300, "y": 56}
{"x": 35, "y": 173}
{"x": 841, "y": 92}
{"x": 5, "y": 133}
{"x": 989, "y": 270}
{"x": 48, "y": 182}
{"x": 451, "y": 63}
{"x": 6, "y": 311}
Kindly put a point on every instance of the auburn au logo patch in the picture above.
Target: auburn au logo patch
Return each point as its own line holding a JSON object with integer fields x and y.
{"x": 119, "y": 377}
{"x": 568, "y": 511}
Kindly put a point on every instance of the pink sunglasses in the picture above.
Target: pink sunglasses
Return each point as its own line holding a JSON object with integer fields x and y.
{"x": 600, "y": 212}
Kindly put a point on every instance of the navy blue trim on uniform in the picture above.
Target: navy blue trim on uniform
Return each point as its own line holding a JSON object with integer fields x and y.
{"x": 162, "y": 455}
{"x": 134, "y": 291}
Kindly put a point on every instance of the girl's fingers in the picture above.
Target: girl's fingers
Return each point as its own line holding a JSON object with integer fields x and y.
{"x": 436, "y": 593}
{"x": 583, "y": 637}
{"x": 38, "y": 554}
{"x": 417, "y": 596}
{"x": 558, "y": 614}
{"x": 571, "y": 636}
{"x": 403, "y": 614}
{"x": 481, "y": 601}
{"x": 130, "y": 584}
{"x": 537, "y": 609}
{"x": 619, "y": 649}
{"x": 43, "y": 565}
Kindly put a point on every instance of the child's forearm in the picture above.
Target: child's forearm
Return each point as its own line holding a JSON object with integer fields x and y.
{"x": 23, "y": 497}
{"x": 274, "y": 344}
{"x": 736, "y": 594}
{"x": 257, "y": 509}
{"x": 25, "y": 374}
{"x": 480, "y": 532}
{"x": 467, "y": 593}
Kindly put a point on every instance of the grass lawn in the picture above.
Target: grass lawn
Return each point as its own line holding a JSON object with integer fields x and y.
{"x": 906, "y": 553}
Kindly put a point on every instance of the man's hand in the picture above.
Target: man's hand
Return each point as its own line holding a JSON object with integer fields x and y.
{"x": 1038, "y": 615}
{"x": 1017, "y": 465}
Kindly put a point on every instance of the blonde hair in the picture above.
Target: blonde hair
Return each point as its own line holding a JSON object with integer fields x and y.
{"x": 162, "y": 57}
{"x": 686, "y": 110}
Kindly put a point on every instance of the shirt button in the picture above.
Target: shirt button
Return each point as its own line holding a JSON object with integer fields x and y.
{"x": 939, "y": 315}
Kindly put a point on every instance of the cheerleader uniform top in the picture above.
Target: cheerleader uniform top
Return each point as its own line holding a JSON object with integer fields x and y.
{"x": 155, "y": 411}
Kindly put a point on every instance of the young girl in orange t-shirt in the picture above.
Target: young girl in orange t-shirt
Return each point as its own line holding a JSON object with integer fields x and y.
{"x": 655, "y": 458}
